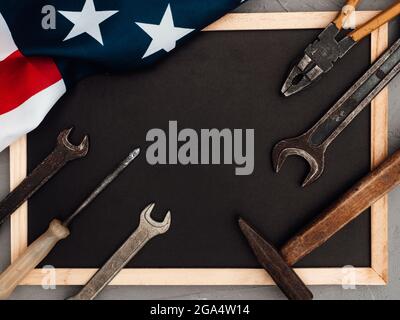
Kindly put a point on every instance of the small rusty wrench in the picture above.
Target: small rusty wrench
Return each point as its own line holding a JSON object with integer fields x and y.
{"x": 63, "y": 153}
{"x": 313, "y": 144}
{"x": 147, "y": 230}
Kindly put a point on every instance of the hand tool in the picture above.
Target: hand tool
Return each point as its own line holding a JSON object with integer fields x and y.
{"x": 57, "y": 231}
{"x": 313, "y": 144}
{"x": 283, "y": 275}
{"x": 147, "y": 230}
{"x": 354, "y": 202}
{"x": 320, "y": 56}
{"x": 63, "y": 153}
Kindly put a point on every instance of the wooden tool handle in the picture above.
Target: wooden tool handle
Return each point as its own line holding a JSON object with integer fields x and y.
{"x": 344, "y": 14}
{"x": 365, "y": 193}
{"x": 375, "y": 23}
{"x": 33, "y": 255}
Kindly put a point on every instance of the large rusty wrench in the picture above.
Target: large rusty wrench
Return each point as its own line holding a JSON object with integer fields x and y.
{"x": 63, "y": 153}
{"x": 313, "y": 144}
{"x": 147, "y": 230}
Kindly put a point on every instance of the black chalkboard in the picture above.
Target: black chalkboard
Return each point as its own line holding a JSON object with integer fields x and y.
{"x": 219, "y": 80}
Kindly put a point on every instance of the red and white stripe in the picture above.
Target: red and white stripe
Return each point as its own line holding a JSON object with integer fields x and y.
{"x": 29, "y": 88}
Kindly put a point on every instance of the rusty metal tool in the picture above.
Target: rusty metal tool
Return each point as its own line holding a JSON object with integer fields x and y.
{"x": 322, "y": 54}
{"x": 63, "y": 153}
{"x": 313, "y": 144}
{"x": 360, "y": 197}
{"x": 57, "y": 231}
{"x": 269, "y": 257}
{"x": 147, "y": 230}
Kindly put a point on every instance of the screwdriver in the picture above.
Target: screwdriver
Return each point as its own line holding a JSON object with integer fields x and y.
{"x": 56, "y": 232}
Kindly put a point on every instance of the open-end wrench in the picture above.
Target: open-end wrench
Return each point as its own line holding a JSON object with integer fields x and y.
{"x": 148, "y": 229}
{"x": 63, "y": 153}
{"x": 313, "y": 144}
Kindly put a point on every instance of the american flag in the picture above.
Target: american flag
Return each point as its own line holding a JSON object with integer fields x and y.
{"x": 39, "y": 64}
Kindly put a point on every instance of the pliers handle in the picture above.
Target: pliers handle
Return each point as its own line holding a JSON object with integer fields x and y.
{"x": 344, "y": 14}
{"x": 376, "y": 22}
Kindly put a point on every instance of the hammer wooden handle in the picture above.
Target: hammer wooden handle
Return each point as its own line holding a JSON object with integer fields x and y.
{"x": 377, "y": 22}
{"x": 365, "y": 193}
{"x": 33, "y": 255}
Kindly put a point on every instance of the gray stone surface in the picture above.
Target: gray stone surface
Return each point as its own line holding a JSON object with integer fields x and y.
{"x": 392, "y": 291}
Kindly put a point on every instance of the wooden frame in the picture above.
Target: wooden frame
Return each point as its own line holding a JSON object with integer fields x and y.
{"x": 377, "y": 274}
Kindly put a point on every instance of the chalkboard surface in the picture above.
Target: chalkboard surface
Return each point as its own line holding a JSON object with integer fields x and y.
{"x": 219, "y": 80}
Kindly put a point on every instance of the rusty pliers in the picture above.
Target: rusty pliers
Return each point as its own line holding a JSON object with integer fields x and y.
{"x": 320, "y": 56}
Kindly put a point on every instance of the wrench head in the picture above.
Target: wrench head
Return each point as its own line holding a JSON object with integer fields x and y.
{"x": 300, "y": 146}
{"x": 155, "y": 226}
{"x": 72, "y": 150}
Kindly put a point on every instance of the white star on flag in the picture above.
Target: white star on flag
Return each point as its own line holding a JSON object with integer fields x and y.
{"x": 87, "y": 21}
{"x": 164, "y": 35}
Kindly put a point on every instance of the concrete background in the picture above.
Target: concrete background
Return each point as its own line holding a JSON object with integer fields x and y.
{"x": 392, "y": 291}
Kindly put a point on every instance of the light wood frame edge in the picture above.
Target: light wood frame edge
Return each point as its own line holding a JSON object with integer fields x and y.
{"x": 379, "y": 152}
{"x": 377, "y": 274}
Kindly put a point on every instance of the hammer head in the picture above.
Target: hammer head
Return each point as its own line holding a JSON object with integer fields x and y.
{"x": 300, "y": 146}
{"x": 72, "y": 151}
{"x": 283, "y": 275}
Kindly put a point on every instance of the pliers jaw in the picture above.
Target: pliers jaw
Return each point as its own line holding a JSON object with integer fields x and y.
{"x": 301, "y": 76}
{"x": 318, "y": 59}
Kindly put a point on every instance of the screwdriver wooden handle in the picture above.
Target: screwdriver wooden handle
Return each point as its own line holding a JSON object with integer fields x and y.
{"x": 359, "y": 198}
{"x": 344, "y": 14}
{"x": 33, "y": 255}
{"x": 375, "y": 23}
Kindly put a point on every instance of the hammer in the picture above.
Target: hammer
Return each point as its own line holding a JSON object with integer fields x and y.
{"x": 354, "y": 202}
